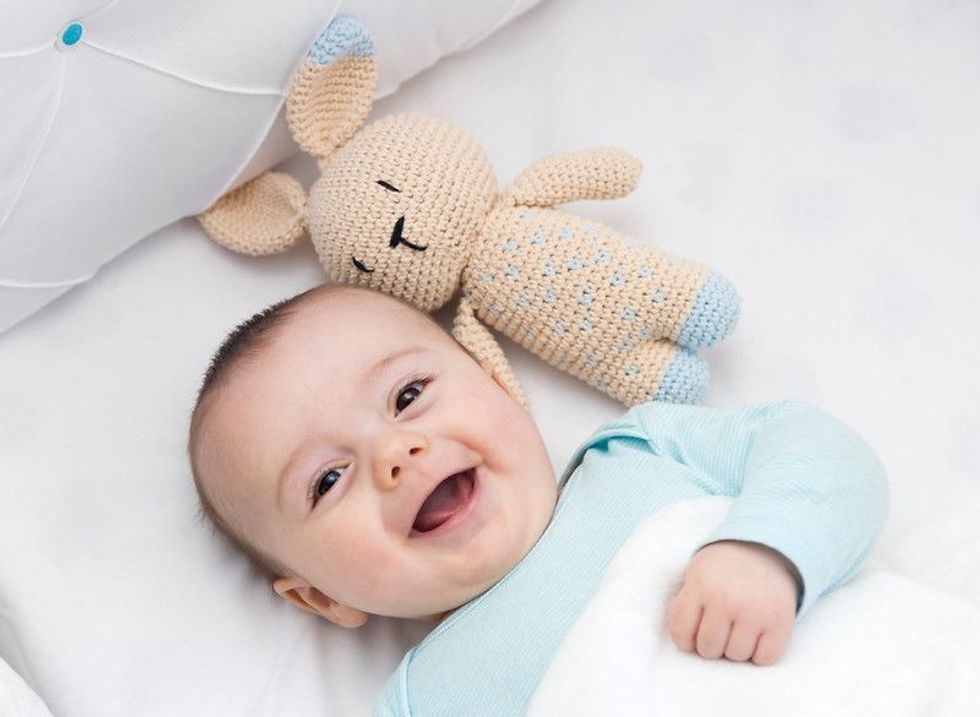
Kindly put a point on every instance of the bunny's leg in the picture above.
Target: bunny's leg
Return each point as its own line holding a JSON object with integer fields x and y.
{"x": 656, "y": 371}
{"x": 683, "y": 300}
{"x": 685, "y": 378}
{"x": 712, "y": 315}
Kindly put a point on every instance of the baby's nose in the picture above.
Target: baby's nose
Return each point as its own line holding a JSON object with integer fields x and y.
{"x": 393, "y": 455}
{"x": 395, "y": 469}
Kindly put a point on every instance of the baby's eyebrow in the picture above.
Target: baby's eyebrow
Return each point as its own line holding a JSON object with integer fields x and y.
{"x": 288, "y": 470}
{"x": 381, "y": 366}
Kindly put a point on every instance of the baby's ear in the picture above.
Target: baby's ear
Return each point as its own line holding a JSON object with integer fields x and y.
{"x": 264, "y": 216}
{"x": 332, "y": 92}
{"x": 303, "y": 595}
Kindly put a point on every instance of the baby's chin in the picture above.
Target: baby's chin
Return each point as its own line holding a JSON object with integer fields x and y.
{"x": 442, "y": 609}
{"x": 487, "y": 560}
{"x": 436, "y": 608}
{"x": 438, "y": 617}
{"x": 448, "y": 607}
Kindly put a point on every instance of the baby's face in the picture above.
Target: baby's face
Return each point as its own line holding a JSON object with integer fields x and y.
{"x": 371, "y": 456}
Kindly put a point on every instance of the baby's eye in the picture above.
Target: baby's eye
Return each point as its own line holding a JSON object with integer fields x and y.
{"x": 326, "y": 481}
{"x": 409, "y": 393}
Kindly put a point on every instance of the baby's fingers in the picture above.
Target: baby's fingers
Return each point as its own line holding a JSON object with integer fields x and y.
{"x": 772, "y": 644}
{"x": 685, "y": 617}
{"x": 743, "y": 641}
{"x": 713, "y": 634}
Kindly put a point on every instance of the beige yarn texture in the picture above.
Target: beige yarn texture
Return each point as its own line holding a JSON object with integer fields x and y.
{"x": 263, "y": 216}
{"x": 328, "y": 104}
{"x": 574, "y": 293}
{"x": 409, "y": 205}
{"x": 445, "y": 189}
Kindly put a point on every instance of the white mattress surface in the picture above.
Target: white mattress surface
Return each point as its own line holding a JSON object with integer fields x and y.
{"x": 824, "y": 156}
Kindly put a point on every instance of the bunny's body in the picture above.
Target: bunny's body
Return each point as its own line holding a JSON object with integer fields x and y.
{"x": 574, "y": 293}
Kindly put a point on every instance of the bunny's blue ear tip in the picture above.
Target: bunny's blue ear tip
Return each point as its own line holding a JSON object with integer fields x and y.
{"x": 344, "y": 37}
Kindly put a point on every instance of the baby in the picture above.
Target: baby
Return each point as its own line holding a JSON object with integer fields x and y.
{"x": 371, "y": 466}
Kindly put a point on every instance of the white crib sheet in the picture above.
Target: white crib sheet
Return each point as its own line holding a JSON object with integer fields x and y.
{"x": 824, "y": 156}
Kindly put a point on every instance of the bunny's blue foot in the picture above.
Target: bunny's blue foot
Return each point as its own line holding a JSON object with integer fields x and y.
{"x": 685, "y": 380}
{"x": 713, "y": 315}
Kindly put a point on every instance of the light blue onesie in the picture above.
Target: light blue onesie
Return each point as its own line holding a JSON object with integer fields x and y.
{"x": 804, "y": 484}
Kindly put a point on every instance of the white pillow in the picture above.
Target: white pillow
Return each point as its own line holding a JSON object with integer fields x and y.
{"x": 120, "y": 118}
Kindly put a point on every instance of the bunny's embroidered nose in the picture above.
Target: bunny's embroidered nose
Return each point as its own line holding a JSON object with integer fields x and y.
{"x": 397, "y": 238}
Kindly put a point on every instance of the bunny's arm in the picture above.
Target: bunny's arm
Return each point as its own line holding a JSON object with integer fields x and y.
{"x": 266, "y": 215}
{"x": 600, "y": 173}
{"x": 477, "y": 339}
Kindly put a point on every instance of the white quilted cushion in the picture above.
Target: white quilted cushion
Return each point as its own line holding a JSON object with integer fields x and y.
{"x": 120, "y": 117}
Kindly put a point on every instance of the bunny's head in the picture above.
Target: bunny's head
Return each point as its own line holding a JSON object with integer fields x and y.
{"x": 399, "y": 203}
{"x": 399, "y": 206}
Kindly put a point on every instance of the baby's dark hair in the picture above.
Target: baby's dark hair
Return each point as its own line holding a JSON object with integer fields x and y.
{"x": 245, "y": 341}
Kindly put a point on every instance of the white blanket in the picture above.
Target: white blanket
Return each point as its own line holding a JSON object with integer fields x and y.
{"x": 884, "y": 644}
{"x": 16, "y": 698}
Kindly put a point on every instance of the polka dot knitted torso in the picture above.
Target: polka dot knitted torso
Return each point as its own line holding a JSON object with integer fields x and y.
{"x": 577, "y": 295}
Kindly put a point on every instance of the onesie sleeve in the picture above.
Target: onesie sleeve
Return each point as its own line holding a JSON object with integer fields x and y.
{"x": 804, "y": 484}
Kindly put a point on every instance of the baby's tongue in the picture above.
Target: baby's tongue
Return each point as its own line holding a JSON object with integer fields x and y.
{"x": 443, "y": 502}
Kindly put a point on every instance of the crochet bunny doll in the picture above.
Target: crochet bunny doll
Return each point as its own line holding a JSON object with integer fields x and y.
{"x": 409, "y": 205}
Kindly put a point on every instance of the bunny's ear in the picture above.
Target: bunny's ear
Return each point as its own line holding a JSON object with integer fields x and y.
{"x": 264, "y": 216}
{"x": 332, "y": 92}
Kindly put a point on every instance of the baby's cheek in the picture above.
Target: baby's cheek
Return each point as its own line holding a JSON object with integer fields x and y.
{"x": 363, "y": 575}
{"x": 501, "y": 423}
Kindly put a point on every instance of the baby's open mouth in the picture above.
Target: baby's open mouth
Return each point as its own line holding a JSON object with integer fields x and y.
{"x": 449, "y": 496}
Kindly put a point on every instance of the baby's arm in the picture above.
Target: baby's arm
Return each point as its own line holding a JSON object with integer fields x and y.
{"x": 811, "y": 498}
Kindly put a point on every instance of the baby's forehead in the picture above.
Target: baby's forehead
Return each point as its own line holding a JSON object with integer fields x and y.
{"x": 342, "y": 334}
{"x": 364, "y": 314}
{"x": 322, "y": 353}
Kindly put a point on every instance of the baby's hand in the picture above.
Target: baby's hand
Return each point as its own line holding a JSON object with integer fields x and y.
{"x": 738, "y": 600}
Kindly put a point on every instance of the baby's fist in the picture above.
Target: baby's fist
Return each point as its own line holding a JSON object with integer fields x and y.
{"x": 738, "y": 601}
